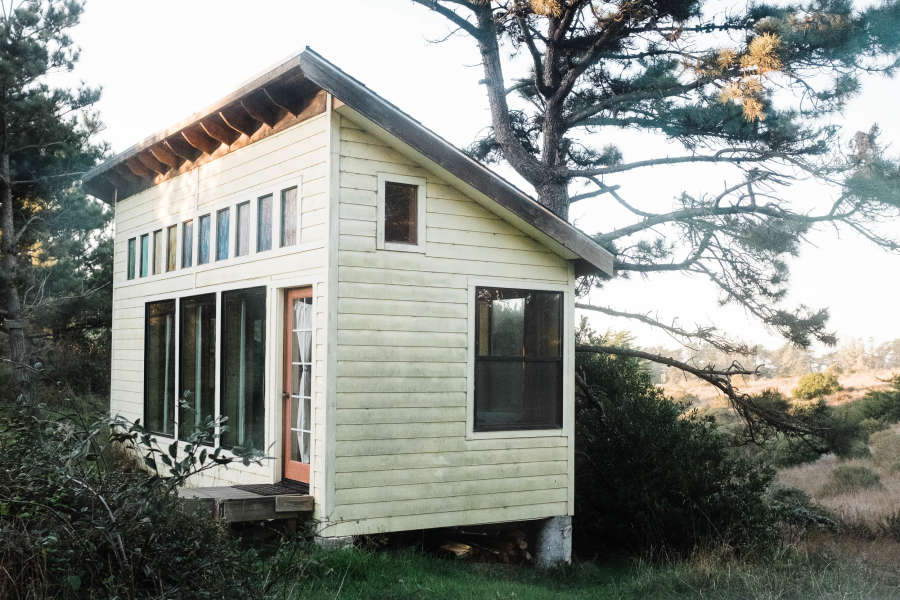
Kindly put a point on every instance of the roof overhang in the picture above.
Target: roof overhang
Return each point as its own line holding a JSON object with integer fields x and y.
{"x": 294, "y": 91}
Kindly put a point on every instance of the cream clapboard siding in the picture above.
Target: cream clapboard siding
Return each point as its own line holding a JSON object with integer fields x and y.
{"x": 296, "y": 154}
{"x": 402, "y": 459}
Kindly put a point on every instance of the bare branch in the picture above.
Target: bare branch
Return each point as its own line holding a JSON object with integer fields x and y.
{"x": 707, "y": 334}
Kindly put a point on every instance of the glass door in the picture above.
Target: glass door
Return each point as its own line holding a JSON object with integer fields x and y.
{"x": 297, "y": 395}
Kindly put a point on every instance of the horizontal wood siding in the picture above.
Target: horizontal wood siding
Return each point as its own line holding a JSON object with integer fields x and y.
{"x": 402, "y": 458}
{"x": 296, "y": 154}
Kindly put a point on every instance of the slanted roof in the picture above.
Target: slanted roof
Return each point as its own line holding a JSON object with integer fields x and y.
{"x": 294, "y": 91}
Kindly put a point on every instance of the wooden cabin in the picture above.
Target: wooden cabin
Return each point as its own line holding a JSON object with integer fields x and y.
{"x": 386, "y": 318}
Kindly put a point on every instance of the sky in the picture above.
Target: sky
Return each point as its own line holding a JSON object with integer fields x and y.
{"x": 160, "y": 61}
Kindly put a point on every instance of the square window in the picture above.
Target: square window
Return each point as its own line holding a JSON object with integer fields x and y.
{"x": 518, "y": 359}
{"x": 401, "y": 213}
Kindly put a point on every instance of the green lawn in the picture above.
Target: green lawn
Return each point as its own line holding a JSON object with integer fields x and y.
{"x": 351, "y": 574}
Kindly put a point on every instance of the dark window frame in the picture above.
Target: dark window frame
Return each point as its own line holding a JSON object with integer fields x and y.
{"x": 131, "y": 257}
{"x": 146, "y": 387}
{"x": 523, "y": 359}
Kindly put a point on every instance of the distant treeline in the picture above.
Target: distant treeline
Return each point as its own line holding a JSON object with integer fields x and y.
{"x": 788, "y": 360}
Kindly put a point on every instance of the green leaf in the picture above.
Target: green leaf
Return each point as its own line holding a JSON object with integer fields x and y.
{"x": 74, "y": 582}
{"x": 173, "y": 449}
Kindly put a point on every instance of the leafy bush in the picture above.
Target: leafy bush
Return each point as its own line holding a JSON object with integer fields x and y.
{"x": 885, "y": 447}
{"x": 72, "y": 525}
{"x": 795, "y": 511}
{"x": 651, "y": 473}
{"x": 850, "y": 478}
{"x": 816, "y": 385}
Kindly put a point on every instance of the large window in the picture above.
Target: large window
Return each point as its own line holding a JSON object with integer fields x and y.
{"x": 129, "y": 268}
{"x": 197, "y": 360}
{"x": 159, "y": 367}
{"x": 243, "y": 367}
{"x": 518, "y": 359}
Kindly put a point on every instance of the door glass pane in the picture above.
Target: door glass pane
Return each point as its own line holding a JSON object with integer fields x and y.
{"x": 187, "y": 243}
{"x": 223, "y": 223}
{"x": 172, "y": 235}
{"x": 203, "y": 241}
{"x": 130, "y": 266}
{"x": 242, "y": 374}
{"x": 242, "y": 233}
{"x": 197, "y": 360}
{"x": 159, "y": 367}
{"x": 301, "y": 379}
{"x": 145, "y": 254}
{"x": 288, "y": 217}
{"x": 157, "y": 252}
{"x": 264, "y": 223}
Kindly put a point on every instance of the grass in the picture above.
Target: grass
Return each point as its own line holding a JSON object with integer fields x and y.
{"x": 824, "y": 572}
{"x": 861, "y": 509}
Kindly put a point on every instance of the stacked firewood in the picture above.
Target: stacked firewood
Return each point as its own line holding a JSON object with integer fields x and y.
{"x": 506, "y": 547}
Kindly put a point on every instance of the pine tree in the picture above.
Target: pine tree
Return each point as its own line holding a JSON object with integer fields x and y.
{"x": 49, "y": 227}
{"x": 753, "y": 90}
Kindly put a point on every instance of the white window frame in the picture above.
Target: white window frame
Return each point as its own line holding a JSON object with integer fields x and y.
{"x": 567, "y": 367}
{"x": 380, "y": 243}
{"x": 230, "y": 202}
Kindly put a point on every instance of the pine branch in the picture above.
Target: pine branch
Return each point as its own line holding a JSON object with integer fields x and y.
{"x": 707, "y": 334}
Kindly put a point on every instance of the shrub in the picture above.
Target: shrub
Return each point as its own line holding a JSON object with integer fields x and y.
{"x": 793, "y": 509}
{"x": 653, "y": 474}
{"x": 850, "y": 478}
{"x": 885, "y": 447}
{"x": 816, "y": 385}
{"x": 72, "y": 525}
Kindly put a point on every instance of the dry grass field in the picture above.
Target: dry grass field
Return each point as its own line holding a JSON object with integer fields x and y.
{"x": 867, "y": 509}
{"x": 855, "y": 384}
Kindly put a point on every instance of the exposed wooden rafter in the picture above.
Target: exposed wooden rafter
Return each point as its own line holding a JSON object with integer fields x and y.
{"x": 237, "y": 117}
{"x": 199, "y": 139}
{"x": 138, "y": 168}
{"x": 164, "y": 154}
{"x": 126, "y": 174}
{"x": 261, "y": 108}
{"x": 148, "y": 160}
{"x": 181, "y": 148}
{"x": 218, "y": 129}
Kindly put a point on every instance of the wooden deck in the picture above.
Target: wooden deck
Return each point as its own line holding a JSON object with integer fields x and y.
{"x": 234, "y": 506}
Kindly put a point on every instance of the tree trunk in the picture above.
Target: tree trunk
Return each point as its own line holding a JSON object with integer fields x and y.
{"x": 554, "y": 195}
{"x": 15, "y": 320}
